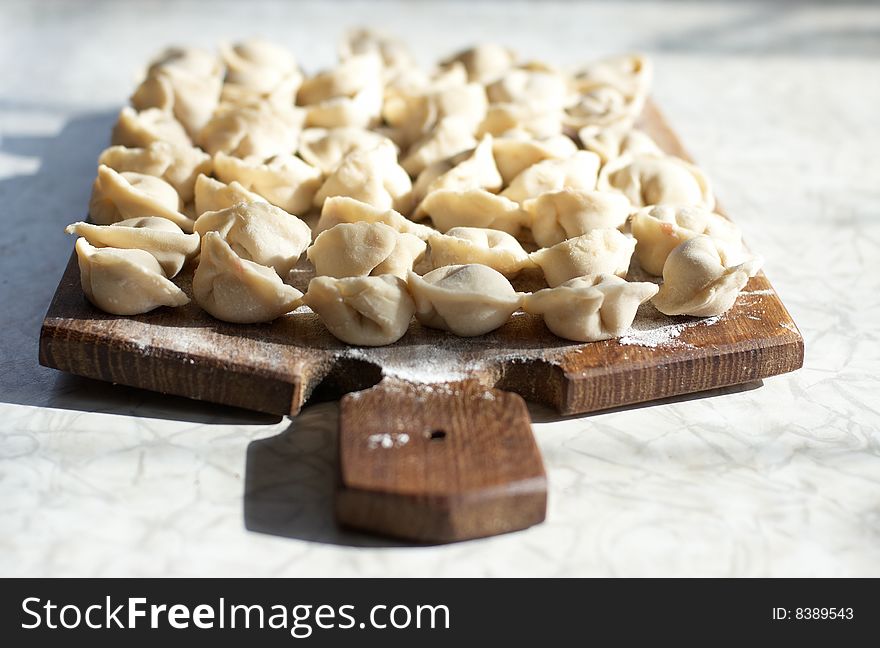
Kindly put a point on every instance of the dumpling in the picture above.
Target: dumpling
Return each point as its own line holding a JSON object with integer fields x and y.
{"x": 473, "y": 208}
{"x": 342, "y": 209}
{"x": 699, "y": 281}
{"x": 539, "y": 90}
{"x": 140, "y": 129}
{"x": 170, "y": 246}
{"x": 361, "y": 110}
{"x": 560, "y": 215}
{"x": 366, "y": 311}
{"x": 451, "y": 136}
{"x": 588, "y": 309}
{"x": 178, "y": 166}
{"x": 257, "y": 64}
{"x": 394, "y": 53}
{"x": 612, "y": 92}
{"x": 611, "y": 143}
{"x": 371, "y": 176}
{"x": 494, "y": 248}
{"x": 236, "y": 290}
{"x": 284, "y": 180}
{"x": 345, "y": 80}
{"x": 325, "y": 148}
{"x": 513, "y": 155}
{"x": 120, "y": 196}
{"x": 655, "y": 180}
{"x": 125, "y": 281}
{"x": 184, "y": 81}
{"x": 259, "y": 232}
{"x": 281, "y": 96}
{"x": 253, "y": 130}
{"x": 467, "y": 300}
{"x": 502, "y": 119}
{"x": 602, "y": 251}
{"x": 661, "y": 228}
{"x": 576, "y": 172}
{"x": 360, "y": 249}
{"x": 484, "y": 63}
{"x": 212, "y": 195}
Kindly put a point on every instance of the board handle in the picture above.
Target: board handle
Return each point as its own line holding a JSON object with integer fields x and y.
{"x": 438, "y": 462}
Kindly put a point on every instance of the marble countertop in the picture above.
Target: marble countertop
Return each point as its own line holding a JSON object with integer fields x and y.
{"x": 776, "y": 101}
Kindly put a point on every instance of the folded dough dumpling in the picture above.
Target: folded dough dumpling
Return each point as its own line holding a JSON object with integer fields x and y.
{"x": 611, "y": 143}
{"x": 367, "y": 311}
{"x": 120, "y": 196}
{"x": 494, "y": 248}
{"x": 539, "y": 90}
{"x": 371, "y": 176}
{"x": 170, "y": 246}
{"x": 362, "y": 110}
{"x": 484, "y": 63}
{"x": 611, "y": 91}
{"x": 345, "y": 80}
{"x": 213, "y": 195}
{"x": 284, "y": 180}
{"x": 253, "y": 130}
{"x": 236, "y": 290}
{"x": 473, "y": 208}
{"x": 588, "y": 309}
{"x": 450, "y": 136}
{"x": 661, "y": 228}
{"x": 125, "y": 281}
{"x": 259, "y": 232}
{"x": 513, "y": 155}
{"x": 560, "y": 215}
{"x": 467, "y": 300}
{"x": 325, "y": 148}
{"x": 281, "y": 96}
{"x": 393, "y": 52}
{"x": 177, "y": 165}
{"x": 602, "y": 251}
{"x": 184, "y": 81}
{"x": 361, "y": 248}
{"x": 655, "y": 180}
{"x": 256, "y": 64}
{"x": 576, "y": 172}
{"x": 342, "y": 209}
{"x": 140, "y": 129}
{"x": 698, "y": 280}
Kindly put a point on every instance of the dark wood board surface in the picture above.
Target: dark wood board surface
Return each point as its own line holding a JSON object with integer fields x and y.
{"x": 276, "y": 367}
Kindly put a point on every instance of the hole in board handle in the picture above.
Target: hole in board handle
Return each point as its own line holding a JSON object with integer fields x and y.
{"x": 437, "y": 435}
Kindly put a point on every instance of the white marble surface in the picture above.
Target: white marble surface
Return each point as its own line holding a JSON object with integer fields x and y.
{"x": 779, "y": 104}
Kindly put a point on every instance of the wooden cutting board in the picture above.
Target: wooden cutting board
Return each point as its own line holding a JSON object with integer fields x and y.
{"x": 437, "y": 404}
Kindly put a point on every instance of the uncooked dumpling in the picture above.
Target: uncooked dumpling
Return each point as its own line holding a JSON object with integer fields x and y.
{"x": 393, "y": 53}
{"x": 256, "y": 64}
{"x": 140, "y": 129}
{"x": 342, "y": 209}
{"x": 538, "y": 90}
{"x": 371, "y": 176}
{"x": 284, "y": 180}
{"x": 560, "y": 215}
{"x": 612, "y": 92}
{"x": 236, "y": 290}
{"x": 604, "y": 251}
{"x": 611, "y": 143}
{"x": 451, "y": 136}
{"x": 367, "y": 311}
{"x": 661, "y": 228}
{"x": 178, "y": 166}
{"x": 473, "y": 208}
{"x": 466, "y": 300}
{"x": 325, "y": 148}
{"x": 576, "y": 172}
{"x": 359, "y": 111}
{"x": 159, "y": 236}
{"x": 124, "y": 281}
{"x": 513, "y": 155}
{"x": 505, "y": 119}
{"x": 484, "y": 63}
{"x": 120, "y": 196}
{"x": 253, "y": 130}
{"x": 655, "y": 180}
{"x": 588, "y": 309}
{"x": 360, "y": 249}
{"x": 494, "y": 248}
{"x": 184, "y": 81}
{"x": 698, "y": 280}
{"x": 213, "y": 195}
{"x": 345, "y": 80}
{"x": 259, "y": 232}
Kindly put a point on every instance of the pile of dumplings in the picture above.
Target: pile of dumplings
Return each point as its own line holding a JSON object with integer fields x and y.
{"x": 411, "y": 192}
